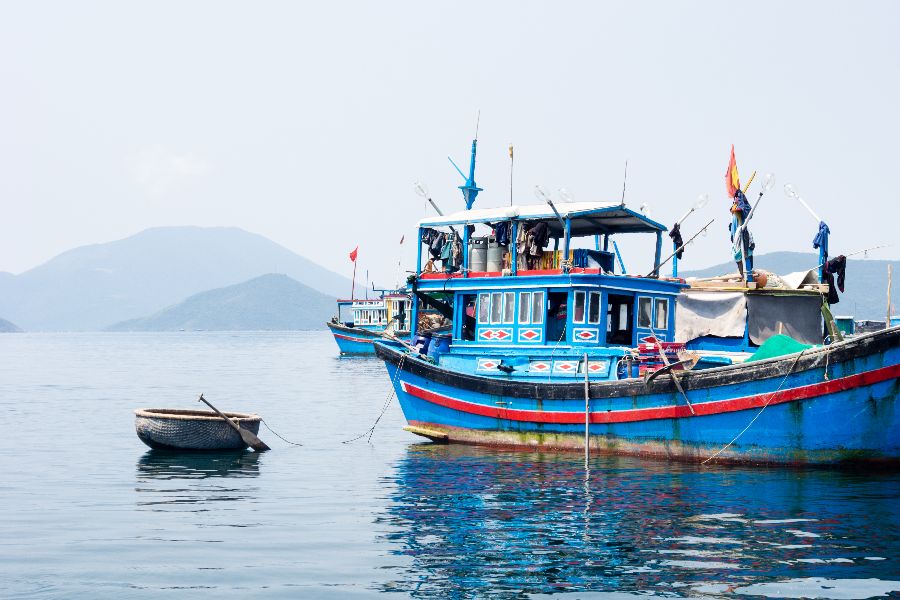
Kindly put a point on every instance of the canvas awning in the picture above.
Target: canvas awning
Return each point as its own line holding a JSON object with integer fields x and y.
{"x": 587, "y": 218}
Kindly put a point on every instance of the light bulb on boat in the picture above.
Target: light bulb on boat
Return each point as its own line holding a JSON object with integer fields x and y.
{"x": 702, "y": 200}
{"x": 645, "y": 210}
{"x": 789, "y": 191}
{"x": 541, "y": 193}
{"x": 565, "y": 195}
{"x": 420, "y": 189}
{"x": 768, "y": 182}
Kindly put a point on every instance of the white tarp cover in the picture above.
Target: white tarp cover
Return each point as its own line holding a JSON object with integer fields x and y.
{"x": 795, "y": 280}
{"x": 722, "y": 314}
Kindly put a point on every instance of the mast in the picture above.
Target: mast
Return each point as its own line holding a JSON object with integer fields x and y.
{"x": 470, "y": 189}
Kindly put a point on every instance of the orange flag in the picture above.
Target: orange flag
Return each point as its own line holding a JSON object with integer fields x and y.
{"x": 732, "y": 181}
{"x": 353, "y": 254}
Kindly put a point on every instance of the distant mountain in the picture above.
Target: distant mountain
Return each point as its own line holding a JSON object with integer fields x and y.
{"x": 266, "y": 303}
{"x": 865, "y": 295}
{"x": 92, "y": 287}
{"x": 7, "y": 327}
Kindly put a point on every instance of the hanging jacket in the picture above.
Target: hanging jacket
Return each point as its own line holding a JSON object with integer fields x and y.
{"x": 821, "y": 238}
{"x": 501, "y": 232}
{"x": 835, "y": 266}
{"x": 675, "y": 234}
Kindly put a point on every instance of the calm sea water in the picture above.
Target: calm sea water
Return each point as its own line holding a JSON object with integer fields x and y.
{"x": 89, "y": 512}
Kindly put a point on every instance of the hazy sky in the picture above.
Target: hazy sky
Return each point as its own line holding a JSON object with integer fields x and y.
{"x": 308, "y": 122}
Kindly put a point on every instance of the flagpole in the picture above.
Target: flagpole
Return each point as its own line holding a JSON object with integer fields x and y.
{"x": 353, "y": 285}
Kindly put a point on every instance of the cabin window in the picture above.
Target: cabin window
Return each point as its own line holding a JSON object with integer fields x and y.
{"x": 645, "y": 308}
{"x": 509, "y": 307}
{"x": 496, "y": 307}
{"x": 594, "y": 308}
{"x": 467, "y": 331}
{"x": 524, "y": 308}
{"x": 557, "y": 314}
{"x": 662, "y": 313}
{"x": 578, "y": 313}
{"x": 537, "y": 310}
{"x": 484, "y": 308}
{"x": 618, "y": 324}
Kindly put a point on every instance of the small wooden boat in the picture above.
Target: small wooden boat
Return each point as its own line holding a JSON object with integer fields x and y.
{"x": 179, "y": 429}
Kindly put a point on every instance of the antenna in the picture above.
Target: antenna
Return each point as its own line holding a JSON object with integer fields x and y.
{"x": 624, "y": 181}
{"x": 477, "y": 121}
{"x": 510, "y": 174}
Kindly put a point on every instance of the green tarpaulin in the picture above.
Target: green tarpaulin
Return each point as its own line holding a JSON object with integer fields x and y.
{"x": 778, "y": 345}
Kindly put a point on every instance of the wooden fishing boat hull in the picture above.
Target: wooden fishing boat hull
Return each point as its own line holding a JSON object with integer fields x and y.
{"x": 355, "y": 340}
{"x": 177, "y": 429}
{"x": 828, "y": 405}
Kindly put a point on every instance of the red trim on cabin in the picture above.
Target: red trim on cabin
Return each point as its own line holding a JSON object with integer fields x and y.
{"x": 485, "y": 273}
{"x": 660, "y": 412}
{"x": 540, "y": 272}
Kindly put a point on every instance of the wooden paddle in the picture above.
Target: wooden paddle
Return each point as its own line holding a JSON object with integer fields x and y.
{"x": 246, "y": 435}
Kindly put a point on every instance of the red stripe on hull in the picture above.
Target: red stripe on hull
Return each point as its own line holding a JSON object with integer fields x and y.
{"x": 661, "y": 412}
{"x": 353, "y": 339}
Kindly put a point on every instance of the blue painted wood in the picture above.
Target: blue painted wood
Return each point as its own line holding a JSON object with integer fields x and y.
{"x": 859, "y": 423}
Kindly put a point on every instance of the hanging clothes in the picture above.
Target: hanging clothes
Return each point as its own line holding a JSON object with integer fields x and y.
{"x": 541, "y": 233}
{"x": 835, "y": 266}
{"x": 675, "y": 234}
{"x": 434, "y": 240}
{"x": 502, "y": 231}
{"x": 821, "y": 238}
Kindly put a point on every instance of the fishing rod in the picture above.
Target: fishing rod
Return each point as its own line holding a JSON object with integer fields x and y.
{"x": 791, "y": 192}
{"x": 542, "y": 194}
{"x": 861, "y": 251}
{"x": 655, "y": 271}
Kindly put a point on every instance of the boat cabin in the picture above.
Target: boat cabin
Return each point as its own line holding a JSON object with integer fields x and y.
{"x": 377, "y": 313}
{"x": 511, "y": 288}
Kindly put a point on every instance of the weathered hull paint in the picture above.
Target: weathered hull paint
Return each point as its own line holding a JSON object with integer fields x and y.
{"x": 781, "y": 411}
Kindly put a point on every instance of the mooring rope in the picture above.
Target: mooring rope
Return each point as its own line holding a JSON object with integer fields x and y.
{"x": 371, "y": 430}
{"x": 278, "y": 435}
{"x": 768, "y": 400}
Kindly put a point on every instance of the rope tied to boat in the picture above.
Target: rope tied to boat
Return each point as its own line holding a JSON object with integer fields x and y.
{"x": 768, "y": 400}
{"x": 263, "y": 421}
{"x": 371, "y": 430}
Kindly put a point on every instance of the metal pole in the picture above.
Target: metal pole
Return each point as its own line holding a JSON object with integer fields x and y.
{"x": 887, "y": 323}
{"x": 587, "y": 411}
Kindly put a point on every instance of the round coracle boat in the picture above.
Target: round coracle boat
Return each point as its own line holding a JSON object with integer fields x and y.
{"x": 178, "y": 429}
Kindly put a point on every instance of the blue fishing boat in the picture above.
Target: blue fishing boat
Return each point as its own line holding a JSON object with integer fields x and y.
{"x": 556, "y": 349}
{"x": 359, "y": 323}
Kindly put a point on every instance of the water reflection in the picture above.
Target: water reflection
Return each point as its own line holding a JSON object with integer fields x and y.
{"x": 474, "y": 521}
{"x": 166, "y": 480}
{"x": 160, "y": 464}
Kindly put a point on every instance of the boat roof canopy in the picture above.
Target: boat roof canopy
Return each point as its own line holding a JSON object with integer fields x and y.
{"x": 587, "y": 218}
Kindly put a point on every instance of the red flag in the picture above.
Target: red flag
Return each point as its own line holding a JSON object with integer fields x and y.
{"x": 732, "y": 181}
{"x": 353, "y": 254}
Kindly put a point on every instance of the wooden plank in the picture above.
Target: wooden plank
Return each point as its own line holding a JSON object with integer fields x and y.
{"x": 431, "y": 434}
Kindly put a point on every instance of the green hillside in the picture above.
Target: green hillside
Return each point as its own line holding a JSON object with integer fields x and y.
{"x": 7, "y": 327}
{"x": 266, "y": 303}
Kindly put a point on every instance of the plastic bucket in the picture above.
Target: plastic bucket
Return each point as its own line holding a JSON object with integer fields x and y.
{"x": 478, "y": 254}
{"x": 440, "y": 343}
